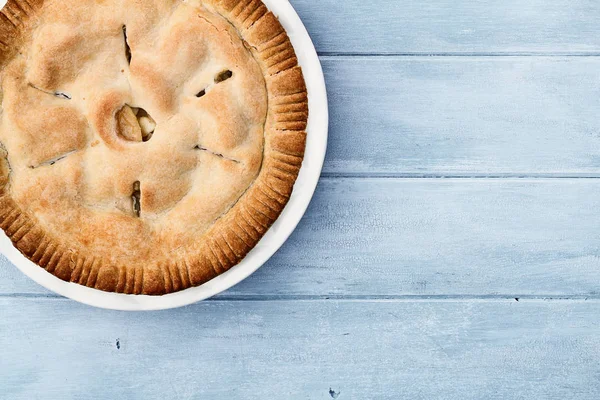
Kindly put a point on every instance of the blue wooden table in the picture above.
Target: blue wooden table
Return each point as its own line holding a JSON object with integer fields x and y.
{"x": 452, "y": 250}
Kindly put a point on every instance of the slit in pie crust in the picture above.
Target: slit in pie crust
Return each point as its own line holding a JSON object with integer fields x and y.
{"x": 146, "y": 145}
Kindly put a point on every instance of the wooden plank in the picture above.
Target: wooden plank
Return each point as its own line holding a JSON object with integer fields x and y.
{"x": 404, "y": 26}
{"x": 397, "y": 237}
{"x": 302, "y": 350}
{"x": 463, "y": 116}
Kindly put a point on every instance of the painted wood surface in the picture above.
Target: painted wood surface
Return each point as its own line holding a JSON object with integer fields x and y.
{"x": 401, "y": 237}
{"x": 441, "y": 26}
{"x": 303, "y": 350}
{"x": 464, "y": 116}
{"x": 402, "y": 280}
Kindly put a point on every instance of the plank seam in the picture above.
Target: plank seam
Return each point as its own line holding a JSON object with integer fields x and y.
{"x": 408, "y": 175}
{"x": 325, "y": 54}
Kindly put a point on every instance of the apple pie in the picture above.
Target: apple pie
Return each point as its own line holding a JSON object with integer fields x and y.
{"x": 146, "y": 145}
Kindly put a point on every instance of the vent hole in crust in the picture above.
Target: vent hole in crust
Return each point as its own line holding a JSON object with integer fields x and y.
{"x": 127, "y": 48}
{"x": 53, "y": 161}
{"x": 146, "y": 122}
{"x": 136, "y": 195}
{"x": 219, "y": 155}
{"x": 135, "y": 124}
{"x": 220, "y": 77}
{"x": 223, "y": 76}
{"x": 60, "y": 95}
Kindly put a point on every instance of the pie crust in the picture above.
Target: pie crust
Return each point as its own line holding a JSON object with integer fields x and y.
{"x": 147, "y": 145}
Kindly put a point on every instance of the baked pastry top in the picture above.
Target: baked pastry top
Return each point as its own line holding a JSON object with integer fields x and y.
{"x": 147, "y": 145}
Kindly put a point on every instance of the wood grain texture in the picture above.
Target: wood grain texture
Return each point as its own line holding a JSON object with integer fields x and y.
{"x": 439, "y": 26}
{"x": 471, "y": 244}
{"x": 302, "y": 350}
{"x": 397, "y": 237}
{"x": 463, "y": 116}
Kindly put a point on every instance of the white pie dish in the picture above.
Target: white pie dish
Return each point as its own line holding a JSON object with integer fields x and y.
{"x": 275, "y": 237}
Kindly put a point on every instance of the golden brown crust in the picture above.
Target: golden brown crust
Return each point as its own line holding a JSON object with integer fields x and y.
{"x": 15, "y": 19}
{"x": 235, "y": 232}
